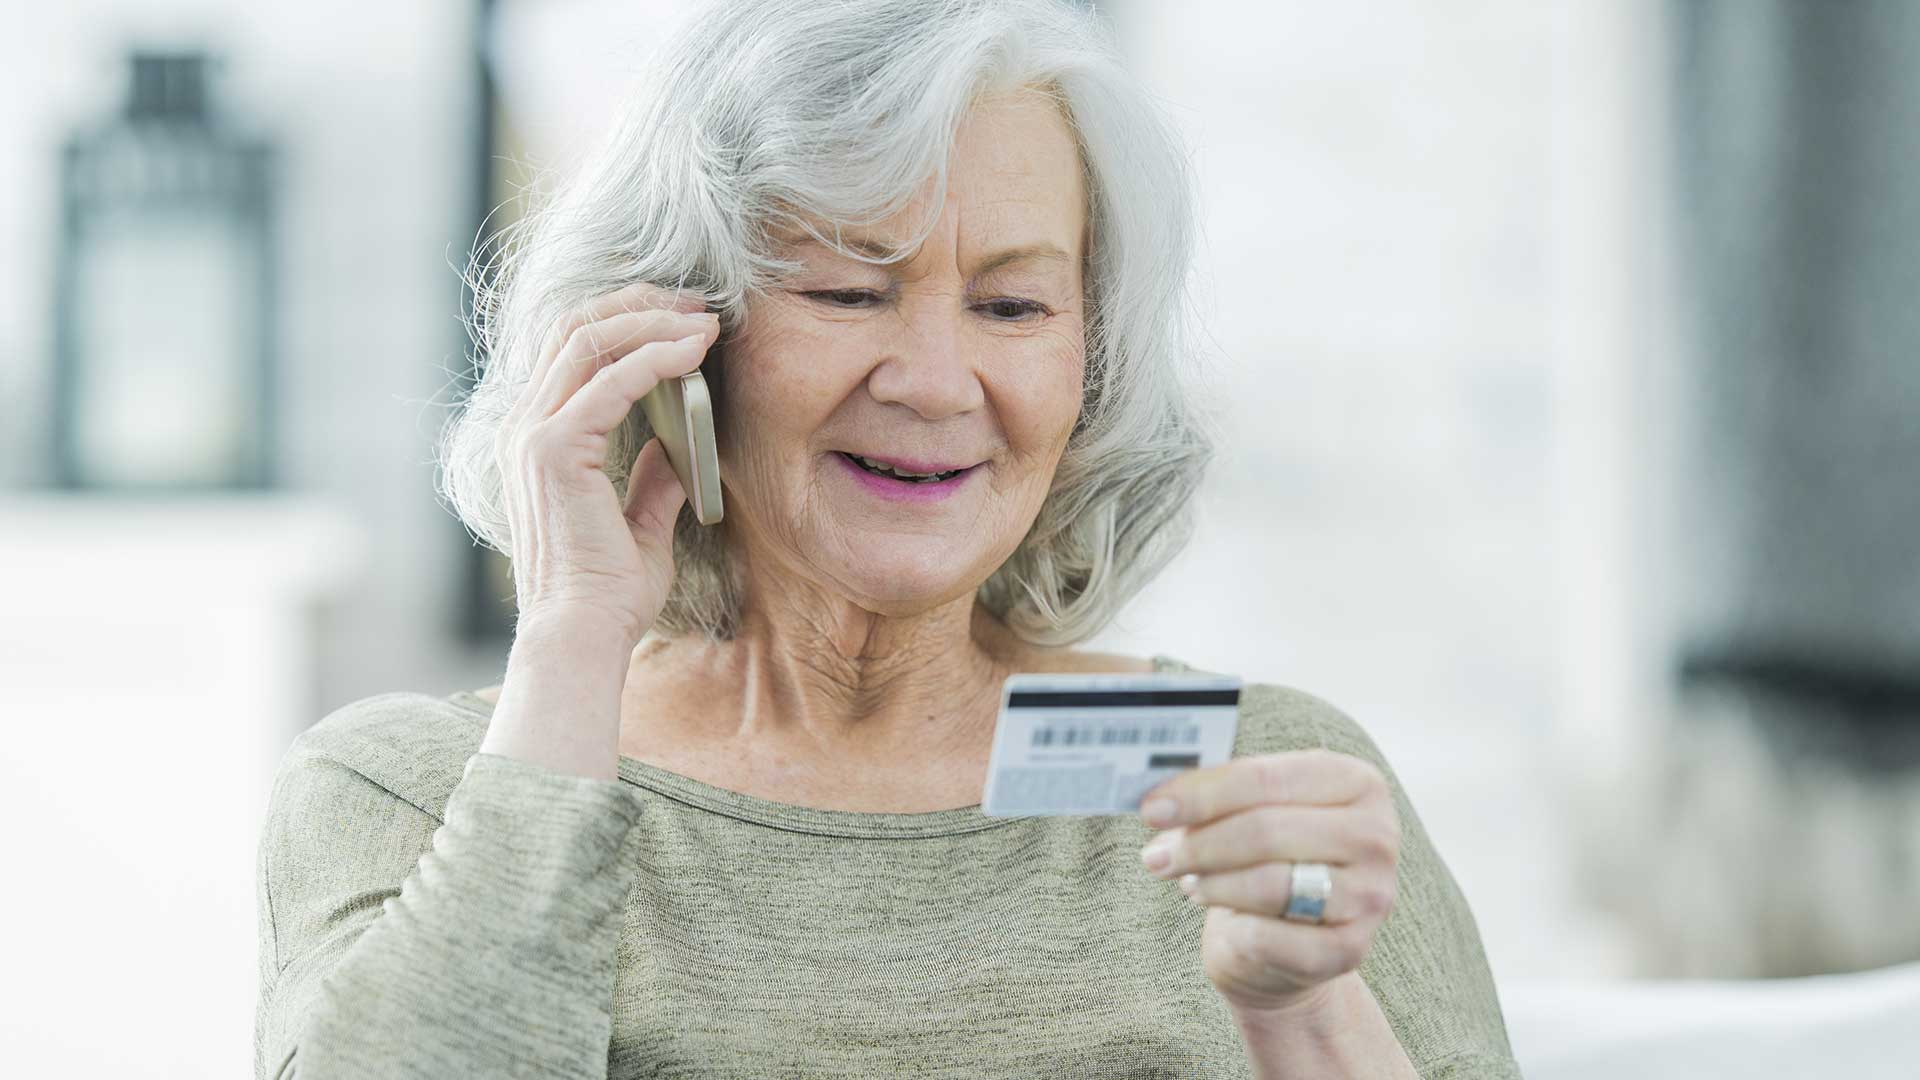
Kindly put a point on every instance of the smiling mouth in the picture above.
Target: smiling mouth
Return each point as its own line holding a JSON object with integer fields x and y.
{"x": 879, "y": 469}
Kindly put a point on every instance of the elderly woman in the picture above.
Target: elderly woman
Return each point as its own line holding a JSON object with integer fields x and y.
{"x": 721, "y": 818}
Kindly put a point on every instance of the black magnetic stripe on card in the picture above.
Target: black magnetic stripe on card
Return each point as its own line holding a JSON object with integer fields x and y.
{"x": 1093, "y": 699}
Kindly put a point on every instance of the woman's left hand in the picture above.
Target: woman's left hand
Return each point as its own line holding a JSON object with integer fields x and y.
{"x": 1238, "y": 830}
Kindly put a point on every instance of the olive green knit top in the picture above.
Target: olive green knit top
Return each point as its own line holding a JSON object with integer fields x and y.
{"x": 426, "y": 910}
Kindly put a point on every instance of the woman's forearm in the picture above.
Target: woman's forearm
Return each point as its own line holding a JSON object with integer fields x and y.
{"x": 559, "y": 703}
{"x": 1343, "y": 1034}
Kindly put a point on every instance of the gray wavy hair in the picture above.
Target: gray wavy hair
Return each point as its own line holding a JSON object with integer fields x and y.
{"x": 759, "y": 116}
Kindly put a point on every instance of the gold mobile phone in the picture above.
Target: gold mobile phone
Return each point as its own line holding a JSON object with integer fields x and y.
{"x": 681, "y": 413}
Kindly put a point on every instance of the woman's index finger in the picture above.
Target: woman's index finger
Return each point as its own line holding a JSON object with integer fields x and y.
{"x": 638, "y": 296}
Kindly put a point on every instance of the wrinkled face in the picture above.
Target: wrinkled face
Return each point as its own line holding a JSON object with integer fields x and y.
{"x": 971, "y": 353}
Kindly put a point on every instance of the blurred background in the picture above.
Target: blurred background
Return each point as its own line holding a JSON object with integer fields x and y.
{"x": 1574, "y": 359}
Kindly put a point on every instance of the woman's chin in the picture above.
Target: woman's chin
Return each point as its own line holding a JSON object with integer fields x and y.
{"x": 906, "y": 584}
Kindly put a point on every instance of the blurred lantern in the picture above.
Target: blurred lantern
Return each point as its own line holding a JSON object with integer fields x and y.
{"x": 164, "y": 295}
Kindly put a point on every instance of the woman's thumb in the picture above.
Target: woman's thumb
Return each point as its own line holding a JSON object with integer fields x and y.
{"x": 654, "y": 494}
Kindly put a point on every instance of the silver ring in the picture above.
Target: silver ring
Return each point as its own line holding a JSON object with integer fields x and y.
{"x": 1312, "y": 884}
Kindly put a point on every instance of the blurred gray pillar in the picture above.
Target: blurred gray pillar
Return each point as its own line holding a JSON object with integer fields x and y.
{"x": 1779, "y": 827}
{"x": 1798, "y": 184}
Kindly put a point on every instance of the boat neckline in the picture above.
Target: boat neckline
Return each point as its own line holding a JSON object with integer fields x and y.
{"x": 808, "y": 819}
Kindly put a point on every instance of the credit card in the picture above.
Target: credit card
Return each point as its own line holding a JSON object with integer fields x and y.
{"x": 1097, "y": 743}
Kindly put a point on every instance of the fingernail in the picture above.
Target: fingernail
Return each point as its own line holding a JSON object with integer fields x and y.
{"x": 1189, "y": 882}
{"x": 1157, "y": 855}
{"x": 1159, "y": 810}
{"x": 691, "y": 338}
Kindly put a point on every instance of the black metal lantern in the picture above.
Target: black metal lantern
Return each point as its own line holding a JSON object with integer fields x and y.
{"x": 164, "y": 294}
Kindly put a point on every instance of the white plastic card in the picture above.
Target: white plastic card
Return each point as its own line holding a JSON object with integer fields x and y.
{"x": 1097, "y": 743}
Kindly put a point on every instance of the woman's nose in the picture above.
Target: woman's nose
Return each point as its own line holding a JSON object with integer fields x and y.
{"x": 928, "y": 368}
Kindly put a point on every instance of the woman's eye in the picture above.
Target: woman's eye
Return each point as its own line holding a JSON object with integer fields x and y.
{"x": 843, "y": 297}
{"x": 1003, "y": 309}
{"x": 1010, "y": 310}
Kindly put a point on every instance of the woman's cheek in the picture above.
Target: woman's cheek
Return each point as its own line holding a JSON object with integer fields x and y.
{"x": 1058, "y": 365}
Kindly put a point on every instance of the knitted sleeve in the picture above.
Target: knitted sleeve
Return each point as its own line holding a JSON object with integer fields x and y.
{"x": 395, "y": 944}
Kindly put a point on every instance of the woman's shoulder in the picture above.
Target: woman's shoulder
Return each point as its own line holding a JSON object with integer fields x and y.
{"x": 413, "y": 744}
{"x": 1276, "y": 716}
{"x": 1082, "y": 662}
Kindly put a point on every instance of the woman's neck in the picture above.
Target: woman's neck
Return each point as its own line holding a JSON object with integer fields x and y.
{"x": 832, "y": 687}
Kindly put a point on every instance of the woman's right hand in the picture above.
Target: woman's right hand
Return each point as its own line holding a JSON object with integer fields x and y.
{"x": 578, "y": 549}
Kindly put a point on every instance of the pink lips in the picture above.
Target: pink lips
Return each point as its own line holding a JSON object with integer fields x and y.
{"x": 903, "y": 490}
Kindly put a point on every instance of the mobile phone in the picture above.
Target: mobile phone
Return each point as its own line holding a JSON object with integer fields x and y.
{"x": 681, "y": 413}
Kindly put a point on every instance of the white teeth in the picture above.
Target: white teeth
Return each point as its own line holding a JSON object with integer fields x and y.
{"x": 885, "y": 468}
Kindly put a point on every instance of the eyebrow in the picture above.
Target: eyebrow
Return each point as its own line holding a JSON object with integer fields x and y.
{"x": 880, "y": 249}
